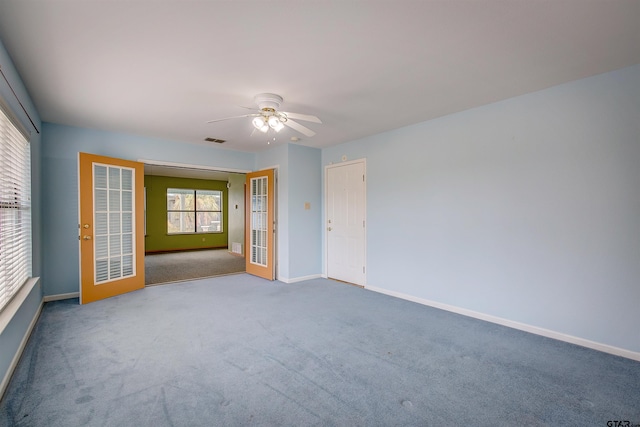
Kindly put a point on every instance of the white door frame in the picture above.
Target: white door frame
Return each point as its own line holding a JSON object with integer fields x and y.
{"x": 326, "y": 214}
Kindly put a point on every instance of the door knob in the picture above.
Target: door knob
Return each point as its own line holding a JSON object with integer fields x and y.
{"x": 328, "y": 228}
{"x": 86, "y": 237}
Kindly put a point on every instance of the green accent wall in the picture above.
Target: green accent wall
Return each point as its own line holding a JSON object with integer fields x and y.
{"x": 156, "y": 238}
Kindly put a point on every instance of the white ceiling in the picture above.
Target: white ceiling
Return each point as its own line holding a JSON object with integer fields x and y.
{"x": 163, "y": 68}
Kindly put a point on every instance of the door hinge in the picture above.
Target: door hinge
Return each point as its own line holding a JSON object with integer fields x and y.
{"x": 363, "y": 269}
{"x": 362, "y": 178}
{"x": 363, "y": 223}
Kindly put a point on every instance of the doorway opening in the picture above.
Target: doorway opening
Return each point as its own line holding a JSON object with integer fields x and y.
{"x": 194, "y": 222}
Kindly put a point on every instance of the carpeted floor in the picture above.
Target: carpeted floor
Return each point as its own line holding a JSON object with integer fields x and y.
{"x": 187, "y": 265}
{"x": 238, "y": 350}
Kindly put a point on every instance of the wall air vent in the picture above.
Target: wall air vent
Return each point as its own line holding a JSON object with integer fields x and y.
{"x": 219, "y": 141}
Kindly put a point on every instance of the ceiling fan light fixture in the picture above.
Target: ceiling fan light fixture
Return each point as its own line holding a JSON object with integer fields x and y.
{"x": 258, "y": 123}
{"x": 275, "y": 123}
{"x": 268, "y": 116}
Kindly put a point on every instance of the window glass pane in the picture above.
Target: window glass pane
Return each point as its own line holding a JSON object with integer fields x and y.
{"x": 127, "y": 265}
{"x": 127, "y": 222}
{"x": 101, "y": 200}
{"x": 114, "y": 223}
{"x": 127, "y": 244}
{"x": 127, "y": 179}
{"x": 115, "y": 268}
{"x": 114, "y": 178}
{"x": 208, "y": 200}
{"x": 102, "y": 270}
{"x": 100, "y": 176}
{"x": 101, "y": 223}
{"x": 208, "y": 222}
{"x": 179, "y": 199}
{"x": 181, "y": 222}
{"x": 102, "y": 247}
{"x": 115, "y": 245}
{"x": 114, "y": 200}
{"x": 127, "y": 201}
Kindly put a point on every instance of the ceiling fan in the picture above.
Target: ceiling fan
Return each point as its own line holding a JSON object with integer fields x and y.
{"x": 267, "y": 116}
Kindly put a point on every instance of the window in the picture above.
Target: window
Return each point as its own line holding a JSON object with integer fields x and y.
{"x": 194, "y": 211}
{"x": 15, "y": 209}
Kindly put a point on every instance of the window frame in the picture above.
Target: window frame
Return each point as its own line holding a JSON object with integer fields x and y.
{"x": 195, "y": 211}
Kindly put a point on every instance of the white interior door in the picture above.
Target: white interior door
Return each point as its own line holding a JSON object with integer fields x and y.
{"x": 346, "y": 227}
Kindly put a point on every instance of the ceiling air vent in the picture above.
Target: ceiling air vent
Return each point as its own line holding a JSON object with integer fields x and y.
{"x": 219, "y": 141}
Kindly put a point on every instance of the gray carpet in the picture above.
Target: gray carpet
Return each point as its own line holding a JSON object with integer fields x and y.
{"x": 187, "y": 265}
{"x": 239, "y": 350}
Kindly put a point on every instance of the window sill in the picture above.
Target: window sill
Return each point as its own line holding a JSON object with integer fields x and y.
{"x": 16, "y": 302}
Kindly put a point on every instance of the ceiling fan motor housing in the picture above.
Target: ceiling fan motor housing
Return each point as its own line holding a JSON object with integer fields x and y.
{"x": 268, "y": 100}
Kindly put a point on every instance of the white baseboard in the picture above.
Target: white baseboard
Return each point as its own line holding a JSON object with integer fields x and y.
{"x": 515, "y": 325}
{"x": 299, "y": 279}
{"x": 59, "y": 297}
{"x": 16, "y": 357}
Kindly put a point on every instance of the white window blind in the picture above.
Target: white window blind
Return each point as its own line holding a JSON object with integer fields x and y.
{"x": 15, "y": 209}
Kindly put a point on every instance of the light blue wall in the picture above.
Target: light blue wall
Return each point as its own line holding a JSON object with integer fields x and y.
{"x": 61, "y": 145}
{"x": 305, "y": 227}
{"x": 299, "y": 246}
{"x": 12, "y": 335}
{"x": 526, "y": 209}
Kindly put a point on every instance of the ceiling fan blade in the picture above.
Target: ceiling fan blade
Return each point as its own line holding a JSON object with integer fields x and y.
{"x": 234, "y": 117}
{"x": 302, "y": 129}
{"x": 249, "y": 108}
{"x": 305, "y": 117}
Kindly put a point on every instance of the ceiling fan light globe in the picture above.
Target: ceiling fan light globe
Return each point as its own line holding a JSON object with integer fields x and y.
{"x": 278, "y": 127}
{"x": 264, "y": 128}
{"x": 258, "y": 123}
{"x": 274, "y": 122}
